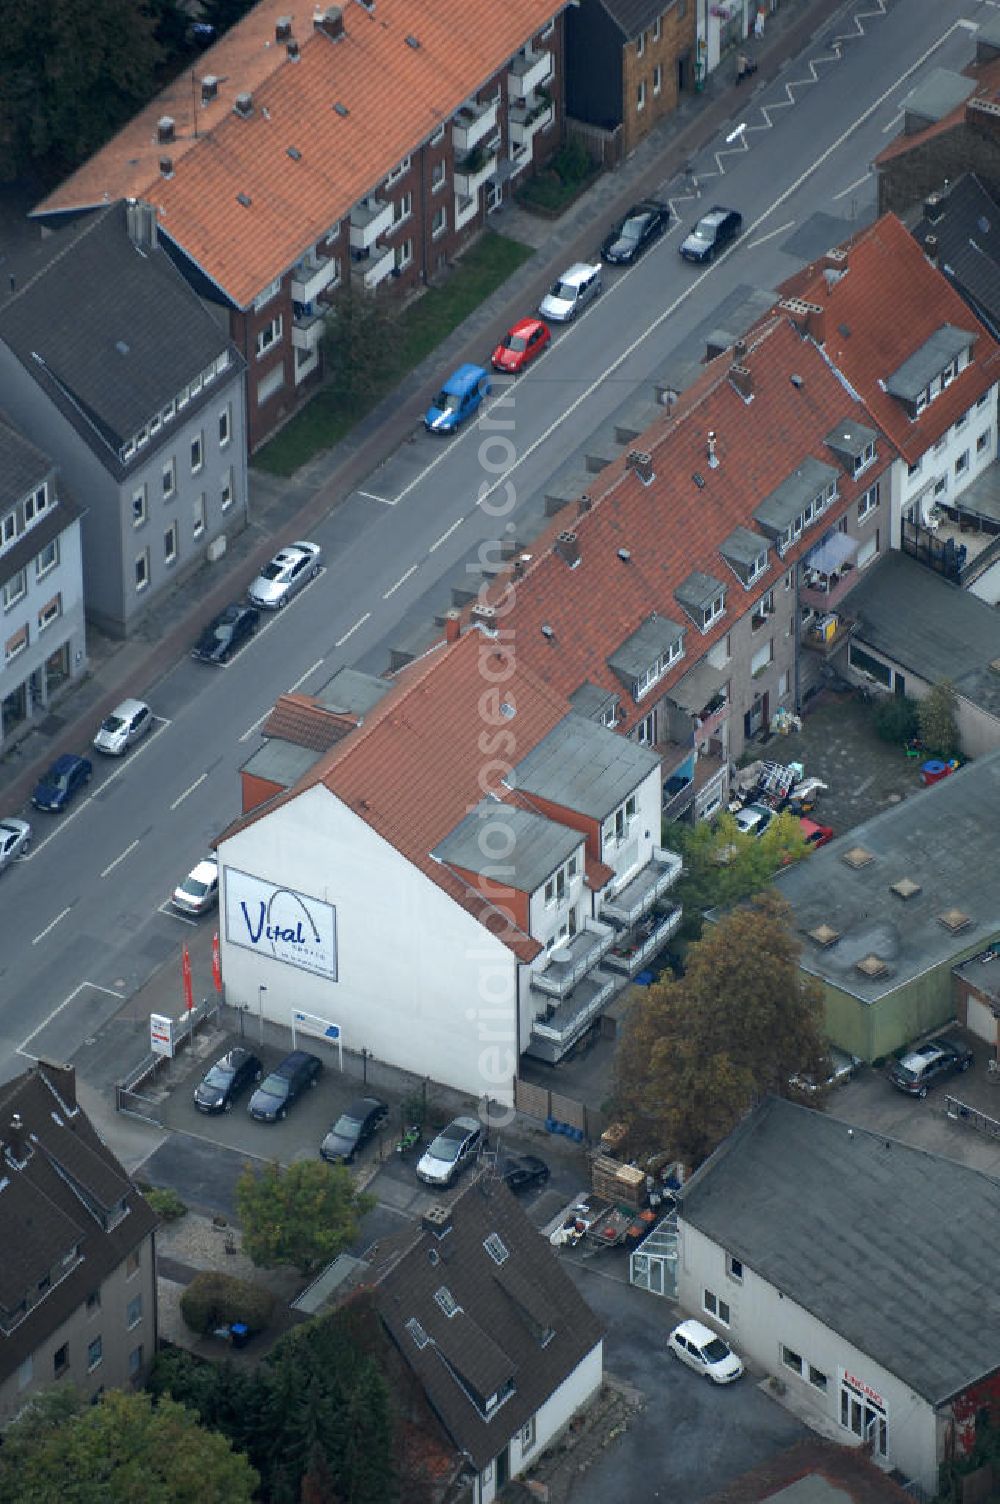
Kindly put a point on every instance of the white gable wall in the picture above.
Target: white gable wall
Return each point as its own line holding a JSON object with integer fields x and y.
{"x": 420, "y": 982}
{"x": 763, "y": 1323}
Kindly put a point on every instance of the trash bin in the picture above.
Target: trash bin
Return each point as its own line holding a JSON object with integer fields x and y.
{"x": 239, "y": 1333}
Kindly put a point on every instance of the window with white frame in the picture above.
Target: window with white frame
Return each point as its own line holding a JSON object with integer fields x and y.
{"x": 657, "y": 78}
{"x": 640, "y": 95}
{"x": 439, "y": 176}
{"x": 657, "y": 28}
{"x": 645, "y": 732}
{"x": 711, "y": 613}
{"x": 271, "y": 383}
{"x": 865, "y": 458}
{"x": 170, "y": 544}
{"x": 982, "y": 401}
{"x": 228, "y": 490}
{"x": 197, "y": 453}
{"x": 984, "y": 441}
{"x": 404, "y": 255}
{"x": 617, "y": 827}
{"x": 762, "y": 611}
{"x": 558, "y": 884}
{"x": 791, "y": 1359}
{"x": 868, "y": 552}
{"x": 17, "y": 644}
{"x": 200, "y": 508}
{"x": 402, "y": 208}
{"x": 35, "y": 504}
{"x": 640, "y": 44}
{"x": 269, "y": 335}
{"x": 133, "y": 1314}
{"x": 95, "y": 1354}
{"x": 225, "y": 425}
{"x": 8, "y": 530}
{"x": 527, "y": 1436}
{"x": 264, "y": 297}
{"x": 762, "y": 657}
{"x": 169, "y": 478}
{"x": 734, "y": 1268}
{"x": 437, "y": 137}
{"x": 960, "y": 423}
{"x": 47, "y": 559}
{"x": 440, "y": 222}
{"x": 398, "y": 172}
{"x": 817, "y": 1378}
{"x": 15, "y": 589}
{"x": 657, "y": 669}
{"x": 716, "y": 1307}
{"x": 142, "y": 570}
{"x": 139, "y": 505}
{"x": 547, "y": 31}
{"x": 914, "y": 469}
{"x": 50, "y": 612}
{"x": 868, "y": 503}
{"x": 789, "y": 578}
{"x": 942, "y": 441}
{"x": 962, "y": 463}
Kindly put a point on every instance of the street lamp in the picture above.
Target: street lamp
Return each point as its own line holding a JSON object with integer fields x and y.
{"x": 260, "y": 1008}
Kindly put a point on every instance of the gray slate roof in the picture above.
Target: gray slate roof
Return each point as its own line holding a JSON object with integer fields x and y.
{"x": 779, "y": 510}
{"x": 940, "y": 840}
{"x": 593, "y": 700}
{"x": 584, "y": 767}
{"x": 919, "y": 370}
{"x": 22, "y": 466}
{"x": 118, "y": 330}
{"x": 633, "y": 16}
{"x": 743, "y": 548}
{"x": 350, "y": 692}
{"x": 281, "y": 762}
{"x": 938, "y": 93}
{"x": 931, "y": 627}
{"x": 509, "y": 845}
{"x": 881, "y": 1242}
{"x": 498, "y": 1333}
{"x": 968, "y": 241}
{"x": 655, "y": 638}
{"x": 850, "y": 439}
{"x": 698, "y": 591}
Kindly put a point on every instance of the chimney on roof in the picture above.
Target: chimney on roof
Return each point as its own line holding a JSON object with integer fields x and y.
{"x": 713, "y": 458}
{"x": 934, "y": 207}
{"x": 165, "y": 129}
{"x": 452, "y": 626}
{"x": 292, "y": 48}
{"x": 282, "y": 28}
{"x": 166, "y": 167}
{"x": 62, "y": 1080}
{"x": 209, "y": 88}
{"x": 437, "y": 1219}
{"x": 568, "y": 548}
{"x": 834, "y": 261}
{"x": 330, "y": 22}
{"x": 931, "y": 249}
{"x": 584, "y": 504}
{"x": 243, "y": 105}
{"x": 17, "y": 1140}
{"x": 140, "y": 222}
{"x": 739, "y": 352}
{"x": 983, "y": 115}
{"x": 486, "y": 618}
{"x": 641, "y": 464}
{"x": 742, "y": 380}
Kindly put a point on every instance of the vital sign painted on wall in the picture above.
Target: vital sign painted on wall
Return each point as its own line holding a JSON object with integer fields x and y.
{"x": 280, "y": 923}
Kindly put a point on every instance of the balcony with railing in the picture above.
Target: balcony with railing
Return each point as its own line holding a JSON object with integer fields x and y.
{"x": 640, "y": 893}
{"x": 823, "y": 592}
{"x": 634, "y": 947}
{"x": 556, "y": 1030}
{"x": 312, "y": 276}
{"x": 828, "y": 633}
{"x": 369, "y": 219}
{"x": 709, "y": 719}
{"x": 476, "y": 168}
{"x": 372, "y": 267}
{"x": 527, "y": 119}
{"x": 681, "y": 790}
{"x": 568, "y": 964}
{"x": 472, "y": 125}
{"x": 307, "y": 331}
{"x": 529, "y": 71}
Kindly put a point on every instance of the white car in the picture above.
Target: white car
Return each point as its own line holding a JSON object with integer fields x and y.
{"x": 453, "y": 1147}
{"x": 577, "y": 286}
{"x": 125, "y": 725}
{"x": 754, "y": 819}
{"x": 290, "y": 569}
{"x": 704, "y": 1350}
{"x": 199, "y": 891}
{"x": 15, "y": 837}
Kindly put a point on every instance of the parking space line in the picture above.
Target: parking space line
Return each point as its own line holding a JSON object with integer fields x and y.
{"x": 851, "y": 186}
{"x": 168, "y": 911}
{"x": 445, "y": 536}
{"x": 190, "y": 790}
{"x": 94, "y": 987}
{"x": 387, "y": 501}
{"x": 351, "y": 630}
{"x": 401, "y": 581}
{"x": 42, "y": 933}
{"x": 127, "y": 852}
{"x": 751, "y": 244}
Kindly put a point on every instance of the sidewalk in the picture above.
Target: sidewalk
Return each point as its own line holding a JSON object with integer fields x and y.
{"x": 282, "y": 509}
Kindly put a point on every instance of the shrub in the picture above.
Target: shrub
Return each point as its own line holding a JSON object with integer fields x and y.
{"x": 938, "y": 720}
{"x": 213, "y": 1299}
{"x": 897, "y": 718}
{"x": 166, "y": 1204}
{"x": 573, "y": 162}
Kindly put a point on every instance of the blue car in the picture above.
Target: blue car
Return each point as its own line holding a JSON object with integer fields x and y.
{"x": 457, "y": 400}
{"x": 65, "y": 778}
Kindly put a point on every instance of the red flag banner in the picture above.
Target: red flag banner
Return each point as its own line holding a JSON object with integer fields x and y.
{"x": 186, "y": 971}
{"x": 216, "y": 963}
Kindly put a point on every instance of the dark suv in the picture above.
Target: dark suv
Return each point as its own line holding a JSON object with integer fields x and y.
{"x": 284, "y": 1085}
{"x": 918, "y": 1069}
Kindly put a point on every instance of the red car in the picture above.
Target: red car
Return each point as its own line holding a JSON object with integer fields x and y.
{"x": 520, "y": 345}
{"x": 813, "y": 834}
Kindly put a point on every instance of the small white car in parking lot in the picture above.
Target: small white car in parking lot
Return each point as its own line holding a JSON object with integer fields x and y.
{"x": 199, "y": 891}
{"x": 290, "y": 569}
{"x": 124, "y": 726}
{"x": 15, "y": 838}
{"x": 704, "y": 1350}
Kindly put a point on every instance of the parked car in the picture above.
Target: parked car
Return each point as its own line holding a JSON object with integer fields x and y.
{"x": 813, "y": 833}
{"x": 290, "y": 569}
{"x": 705, "y": 1351}
{"x": 353, "y": 1129}
{"x": 15, "y": 838}
{"x": 713, "y": 232}
{"x": 65, "y": 778}
{"x": 522, "y": 344}
{"x": 457, "y": 400}
{"x": 577, "y": 287}
{"x": 643, "y": 224}
{"x": 229, "y": 1077}
{"x": 840, "y": 1068}
{"x": 229, "y": 631}
{"x": 454, "y": 1146}
{"x": 126, "y": 724}
{"x": 753, "y": 819}
{"x": 929, "y": 1063}
{"x": 523, "y": 1171}
{"x": 283, "y": 1087}
{"x": 199, "y": 892}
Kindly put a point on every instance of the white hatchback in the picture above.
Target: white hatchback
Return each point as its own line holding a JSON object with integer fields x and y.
{"x": 704, "y": 1351}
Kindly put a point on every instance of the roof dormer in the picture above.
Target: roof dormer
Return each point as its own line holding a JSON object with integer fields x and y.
{"x": 647, "y": 654}
{"x": 703, "y": 598}
{"x": 931, "y": 369}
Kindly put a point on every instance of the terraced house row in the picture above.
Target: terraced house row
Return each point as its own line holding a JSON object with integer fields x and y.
{"x": 366, "y": 143}
{"x": 499, "y": 810}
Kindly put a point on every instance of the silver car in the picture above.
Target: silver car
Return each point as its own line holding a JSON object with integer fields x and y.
{"x": 575, "y": 289}
{"x": 15, "y": 838}
{"x": 124, "y": 726}
{"x": 453, "y": 1148}
{"x": 290, "y": 569}
{"x": 199, "y": 891}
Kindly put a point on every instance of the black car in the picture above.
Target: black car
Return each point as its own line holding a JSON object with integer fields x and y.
{"x": 713, "y": 232}
{"x": 918, "y": 1069}
{"x": 229, "y": 1077}
{"x": 522, "y": 1171}
{"x": 229, "y": 631}
{"x": 643, "y": 224}
{"x": 284, "y": 1085}
{"x": 353, "y": 1129}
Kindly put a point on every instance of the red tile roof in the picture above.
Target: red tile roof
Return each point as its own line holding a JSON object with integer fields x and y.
{"x": 887, "y": 305}
{"x": 298, "y": 719}
{"x": 396, "y": 95}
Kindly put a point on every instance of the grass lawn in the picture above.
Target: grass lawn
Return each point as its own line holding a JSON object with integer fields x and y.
{"x": 551, "y": 193}
{"x": 420, "y": 328}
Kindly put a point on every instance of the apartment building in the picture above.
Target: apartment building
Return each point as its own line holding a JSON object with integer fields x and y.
{"x": 112, "y": 366}
{"x": 356, "y": 144}
{"x": 41, "y": 586}
{"x": 627, "y": 64}
{"x": 78, "y": 1276}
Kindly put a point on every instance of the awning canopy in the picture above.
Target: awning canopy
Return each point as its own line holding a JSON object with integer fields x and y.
{"x": 831, "y": 553}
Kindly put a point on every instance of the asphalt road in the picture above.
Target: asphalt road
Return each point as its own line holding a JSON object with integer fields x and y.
{"x": 84, "y": 919}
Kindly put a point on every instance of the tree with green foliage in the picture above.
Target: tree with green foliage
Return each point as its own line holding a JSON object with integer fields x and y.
{"x": 303, "y": 1216}
{"x": 699, "y": 1051}
{"x": 939, "y": 720}
{"x": 359, "y": 345}
{"x": 118, "y": 1450}
{"x": 897, "y": 719}
{"x": 72, "y": 74}
{"x": 723, "y": 865}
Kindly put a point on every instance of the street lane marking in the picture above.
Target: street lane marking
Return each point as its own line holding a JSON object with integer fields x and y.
{"x": 387, "y": 501}
{"x": 893, "y": 122}
{"x": 127, "y": 852}
{"x": 445, "y": 536}
{"x": 190, "y": 790}
{"x": 770, "y": 235}
{"x": 94, "y": 986}
{"x": 128, "y": 757}
{"x": 851, "y": 186}
{"x": 42, "y": 933}
{"x": 401, "y": 581}
{"x": 351, "y": 630}
{"x": 168, "y": 911}
{"x": 259, "y": 721}
{"x": 303, "y": 677}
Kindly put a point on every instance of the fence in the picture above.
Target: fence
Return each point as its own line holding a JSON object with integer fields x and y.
{"x": 972, "y": 1116}
{"x": 604, "y": 146}
{"x": 552, "y": 1108}
{"x": 137, "y": 1096}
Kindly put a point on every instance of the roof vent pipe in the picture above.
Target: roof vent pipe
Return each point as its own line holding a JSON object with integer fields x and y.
{"x": 713, "y": 458}
{"x": 165, "y": 129}
{"x": 330, "y": 22}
